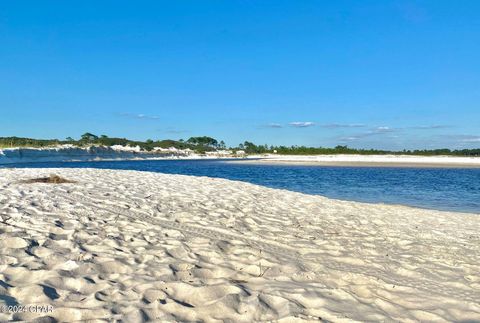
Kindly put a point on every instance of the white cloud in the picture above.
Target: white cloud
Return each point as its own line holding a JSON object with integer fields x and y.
{"x": 302, "y": 124}
{"x": 382, "y": 129}
{"x": 140, "y": 116}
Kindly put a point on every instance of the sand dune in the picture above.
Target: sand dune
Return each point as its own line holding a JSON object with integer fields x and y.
{"x": 138, "y": 246}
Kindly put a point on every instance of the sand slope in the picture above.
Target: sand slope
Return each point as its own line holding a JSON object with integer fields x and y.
{"x": 140, "y": 246}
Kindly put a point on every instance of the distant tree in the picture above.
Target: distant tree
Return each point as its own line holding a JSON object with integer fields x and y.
{"x": 250, "y": 147}
{"x": 203, "y": 141}
{"x": 88, "y": 137}
{"x": 147, "y": 145}
{"x": 69, "y": 139}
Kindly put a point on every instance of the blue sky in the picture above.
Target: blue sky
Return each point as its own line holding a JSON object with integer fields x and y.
{"x": 381, "y": 74}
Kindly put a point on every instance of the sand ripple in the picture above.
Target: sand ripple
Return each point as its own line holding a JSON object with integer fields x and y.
{"x": 138, "y": 246}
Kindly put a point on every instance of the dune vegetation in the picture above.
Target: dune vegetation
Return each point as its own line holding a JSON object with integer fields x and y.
{"x": 204, "y": 143}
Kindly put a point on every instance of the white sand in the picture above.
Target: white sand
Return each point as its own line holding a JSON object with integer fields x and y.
{"x": 142, "y": 246}
{"x": 368, "y": 160}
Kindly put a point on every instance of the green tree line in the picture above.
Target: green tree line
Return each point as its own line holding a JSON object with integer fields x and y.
{"x": 198, "y": 144}
{"x": 204, "y": 143}
{"x": 251, "y": 148}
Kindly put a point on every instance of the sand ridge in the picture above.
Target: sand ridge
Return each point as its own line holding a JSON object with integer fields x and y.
{"x": 139, "y": 246}
{"x": 352, "y": 160}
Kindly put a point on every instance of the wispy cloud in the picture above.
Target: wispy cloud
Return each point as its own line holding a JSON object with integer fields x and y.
{"x": 377, "y": 131}
{"x": 301, "y": 124}
{"x": 429, "y": 127}
{"x": 381, "y": 129}
{"x": 465, "y": 138}
{"x": 273, "y": 125}
{"x": 453, "y": 141}
{"x": 351, "y": 138}
{"x": 476, "y": 139}
{"x": 140, "y": 116}
{"x": 339, "y": 125}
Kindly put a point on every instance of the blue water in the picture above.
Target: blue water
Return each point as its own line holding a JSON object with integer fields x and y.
{"x": 432, "y": 188}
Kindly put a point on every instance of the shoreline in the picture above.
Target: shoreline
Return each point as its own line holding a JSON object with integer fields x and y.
{"x": 97, "y": 159}
{"x": 134, "y": 245}
{"x": 69, "y": 153}
{"x": 365, "y": 161}
{"x": 97, "y": 153}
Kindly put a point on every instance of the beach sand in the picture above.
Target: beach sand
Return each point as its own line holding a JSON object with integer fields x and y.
{"x": 141, "y": 246}
{"x": 365, "y": 161}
